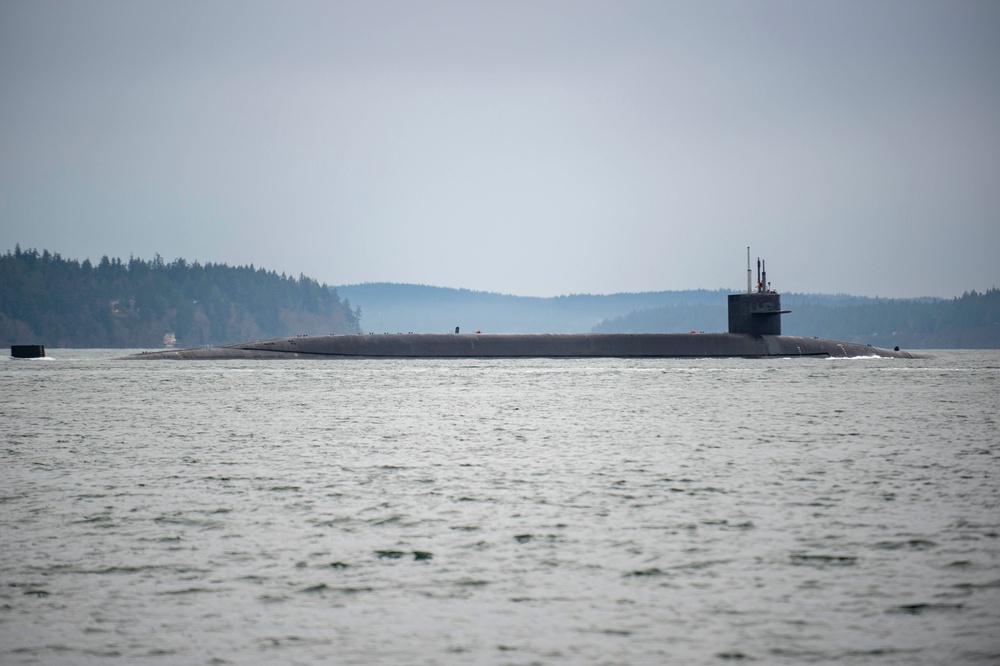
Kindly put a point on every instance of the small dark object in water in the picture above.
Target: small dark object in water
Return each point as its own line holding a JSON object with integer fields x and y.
{"x": 27, "y": 351}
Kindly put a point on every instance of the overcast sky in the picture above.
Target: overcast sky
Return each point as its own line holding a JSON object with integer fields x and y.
{"x": 533, "y": 148}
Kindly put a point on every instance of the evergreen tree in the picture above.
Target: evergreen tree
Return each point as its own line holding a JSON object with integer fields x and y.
{"x": 47, "y": 299}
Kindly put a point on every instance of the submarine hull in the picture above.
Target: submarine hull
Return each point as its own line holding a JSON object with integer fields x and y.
{"x": 754, "y": 332}
{"x": 582, "y": 345}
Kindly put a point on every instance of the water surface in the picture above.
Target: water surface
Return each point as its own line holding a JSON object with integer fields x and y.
{"x": 786, "y": 511}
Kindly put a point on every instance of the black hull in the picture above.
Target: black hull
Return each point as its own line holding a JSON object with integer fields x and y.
{"x": 583, "y": 345}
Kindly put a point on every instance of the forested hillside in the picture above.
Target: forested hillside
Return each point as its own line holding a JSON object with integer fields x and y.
{"x": 46, "y": 299}
{"x": 971, "y": 321}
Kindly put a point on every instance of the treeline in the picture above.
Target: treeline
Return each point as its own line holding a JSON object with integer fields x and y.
{"x": 46, "y": 299}
{"x": 970, "y": 321}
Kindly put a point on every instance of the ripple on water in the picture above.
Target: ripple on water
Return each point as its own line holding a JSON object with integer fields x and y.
{"x": 556, "y": 512}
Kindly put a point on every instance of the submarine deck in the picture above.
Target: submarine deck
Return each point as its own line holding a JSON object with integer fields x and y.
{"x": 580, "y": 345}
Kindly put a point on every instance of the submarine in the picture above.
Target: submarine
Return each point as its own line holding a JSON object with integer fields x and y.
{"x": 754, "y": 332}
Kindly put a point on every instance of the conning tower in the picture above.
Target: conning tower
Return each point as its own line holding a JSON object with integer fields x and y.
{"x": 756, "y": 312}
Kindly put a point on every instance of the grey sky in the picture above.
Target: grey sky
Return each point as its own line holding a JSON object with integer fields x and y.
{"x": 534, "y": 148}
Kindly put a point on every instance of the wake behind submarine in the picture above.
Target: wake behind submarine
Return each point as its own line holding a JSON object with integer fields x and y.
{"x": 754, "y": 332}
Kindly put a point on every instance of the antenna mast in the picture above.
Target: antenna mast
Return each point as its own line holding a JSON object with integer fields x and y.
{"x": 748, "y": 269}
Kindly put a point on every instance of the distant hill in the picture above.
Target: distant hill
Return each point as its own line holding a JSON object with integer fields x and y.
{"x": 970, "y": 321}
{"x": 45, "y": 299}
{"x": 405, "y": 308}
{"x": 713, "y": 316}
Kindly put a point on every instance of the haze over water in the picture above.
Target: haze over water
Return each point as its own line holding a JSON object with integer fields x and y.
{"x": 783, "y": 511}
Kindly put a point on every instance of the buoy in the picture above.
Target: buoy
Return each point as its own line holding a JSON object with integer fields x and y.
{"x": 27, "y": 351}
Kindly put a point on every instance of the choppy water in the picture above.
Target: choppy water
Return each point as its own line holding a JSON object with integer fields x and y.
{"x": 502, "y": 512}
